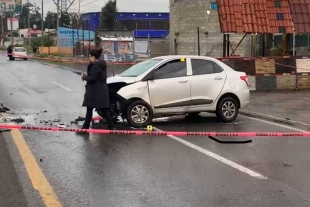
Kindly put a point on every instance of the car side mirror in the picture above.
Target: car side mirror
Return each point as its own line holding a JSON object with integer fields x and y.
{"x": 150, "y": 76}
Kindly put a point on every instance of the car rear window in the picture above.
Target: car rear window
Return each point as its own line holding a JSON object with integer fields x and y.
{"x": 20, "y": 50}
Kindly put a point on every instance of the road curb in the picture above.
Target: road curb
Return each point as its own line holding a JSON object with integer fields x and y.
{"x": 274, "y": 119}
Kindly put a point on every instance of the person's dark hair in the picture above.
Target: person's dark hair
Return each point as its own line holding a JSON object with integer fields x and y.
{"x": 96, "y": 53}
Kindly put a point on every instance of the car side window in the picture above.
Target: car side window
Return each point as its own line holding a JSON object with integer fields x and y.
{"x": 203, "y": 67}
{"x": 172, "y": 69}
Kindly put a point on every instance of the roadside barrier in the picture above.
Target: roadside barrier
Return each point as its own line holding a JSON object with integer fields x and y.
{"x": 150, "y": 131}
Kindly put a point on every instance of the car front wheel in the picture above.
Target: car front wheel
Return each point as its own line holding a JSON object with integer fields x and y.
{"x": 227, "y": 110}
{"x": 139, "y": 114}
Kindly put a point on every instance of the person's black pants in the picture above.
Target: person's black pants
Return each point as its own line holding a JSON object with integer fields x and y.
{"x": 104, "y": 113}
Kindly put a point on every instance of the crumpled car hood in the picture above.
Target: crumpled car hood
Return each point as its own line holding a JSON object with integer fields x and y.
{"x": 118, "y": 79}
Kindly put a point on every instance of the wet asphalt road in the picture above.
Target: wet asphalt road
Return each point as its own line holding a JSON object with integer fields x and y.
{"x": 127, "y": 170}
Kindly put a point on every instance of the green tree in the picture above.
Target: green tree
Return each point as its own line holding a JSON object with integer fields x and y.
{"x": 67, "y": 18}
{"x": 31, "y": 11}
{"x": 47, "y": 41}
{"x": 23, "y": 16}
{"x": 108, "y": 16}
{"x": 50, "y": 21}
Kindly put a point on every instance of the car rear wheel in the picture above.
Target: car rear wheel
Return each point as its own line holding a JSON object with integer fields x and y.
{"x": 139, "y": 114}
{"x": 227, "y": 110}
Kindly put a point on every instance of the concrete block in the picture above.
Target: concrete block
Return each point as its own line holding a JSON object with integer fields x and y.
{"x": 265, "y": 66}
{"x": 303, "y": 65}
{"x": 266, "y": 83}
{"x": 252, "y": 83}
{"x": 230, "y": 63}
{"x": 286, "y": 82}
{"x": 303, "y": 81}
{"x": 247, "y": 66}
{"x": 283, "y": 63}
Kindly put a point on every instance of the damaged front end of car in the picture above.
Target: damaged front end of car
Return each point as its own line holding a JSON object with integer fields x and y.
{"x": 118, "y": 103}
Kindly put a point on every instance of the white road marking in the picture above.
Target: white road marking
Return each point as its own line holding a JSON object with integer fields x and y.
{"x": 278, "y": 118}
{"x": 275, "y": 124}
{"x": 68, "y": 89}
{"x": 217, "y": 157}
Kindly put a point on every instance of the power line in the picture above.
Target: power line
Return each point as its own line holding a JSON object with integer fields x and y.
{"x": 52, "y": 11}
{"x": 86, "y": 4}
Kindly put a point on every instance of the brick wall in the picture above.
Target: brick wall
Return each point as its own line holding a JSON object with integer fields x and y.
{"x": 186, "y": 16}
{"x": 274, "y": 73}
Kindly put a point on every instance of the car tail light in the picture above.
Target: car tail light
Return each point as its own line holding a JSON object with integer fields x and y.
{"x": 245, "y": 79}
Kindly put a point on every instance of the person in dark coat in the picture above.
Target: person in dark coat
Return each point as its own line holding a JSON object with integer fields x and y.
{"x": 97, "y": 91}
{"x": 9, "y": 51}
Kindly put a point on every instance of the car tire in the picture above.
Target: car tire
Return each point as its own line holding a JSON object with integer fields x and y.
{"x": 26, "y": 59}
{"x": 134, "y": 108}
{"x": 227, "y": 110}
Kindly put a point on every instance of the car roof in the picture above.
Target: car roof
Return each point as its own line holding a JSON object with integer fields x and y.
{"x": 224, "y": 66}
{"x": 167, "y": 57}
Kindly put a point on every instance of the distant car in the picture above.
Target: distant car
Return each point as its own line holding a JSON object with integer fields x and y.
{"x": 19, "y": 53}
{"x": 171, "y": 85}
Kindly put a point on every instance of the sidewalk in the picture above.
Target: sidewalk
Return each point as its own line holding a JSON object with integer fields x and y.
{"x": 292, "y": 106}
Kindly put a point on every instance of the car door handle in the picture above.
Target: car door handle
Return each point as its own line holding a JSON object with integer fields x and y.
{"x": 183, "y": 81}
{"x": 218, "y": 78}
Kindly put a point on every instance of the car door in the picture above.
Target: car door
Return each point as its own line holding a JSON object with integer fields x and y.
{"x": 170, "y": 87}
{"x": 206, "y": 81}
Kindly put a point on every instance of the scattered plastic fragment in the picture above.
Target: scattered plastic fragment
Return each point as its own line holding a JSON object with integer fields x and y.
{"x": 61, "y": 126}
{"x": 4, "y": 130}
{"x": 3, "y": 108}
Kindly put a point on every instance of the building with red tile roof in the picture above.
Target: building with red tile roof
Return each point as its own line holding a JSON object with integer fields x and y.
{"x": 236, "y": 18}
{"x": 264, "y": 16}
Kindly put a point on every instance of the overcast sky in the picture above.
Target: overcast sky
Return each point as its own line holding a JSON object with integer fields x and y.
{"x": 96, "y": 5}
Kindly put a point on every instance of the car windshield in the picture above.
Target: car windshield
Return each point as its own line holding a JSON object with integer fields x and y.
{"x": 20, "y": 49}
{"x": 140, "y": 68}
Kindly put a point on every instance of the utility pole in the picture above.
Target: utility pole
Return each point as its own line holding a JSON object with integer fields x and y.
{"x": 78, "y": 21}
{"x": 2, "y": 28}
{"x": 42, "y": 25}
{"x": 29, "y": 34}
{"x": 64, "y": 8}
{"x": 11, "y": 21}
{"x": 57, "y": 26}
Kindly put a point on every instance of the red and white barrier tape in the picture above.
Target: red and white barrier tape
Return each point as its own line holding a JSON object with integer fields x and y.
{"x": 66, "y": 60}
{"x": 160, "y": 133}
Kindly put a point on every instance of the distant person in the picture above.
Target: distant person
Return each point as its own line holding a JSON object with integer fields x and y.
{"x": 97, "y": 91}
{"x": 34, "y": 49}
{"x": 9, "y": 51}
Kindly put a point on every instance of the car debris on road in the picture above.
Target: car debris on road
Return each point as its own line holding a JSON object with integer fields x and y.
{"x": 10, "y": 119}
{"x": 3, "y": 108}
